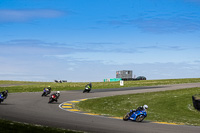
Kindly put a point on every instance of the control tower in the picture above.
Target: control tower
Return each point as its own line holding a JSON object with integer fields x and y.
{"x": 124, "y": 74}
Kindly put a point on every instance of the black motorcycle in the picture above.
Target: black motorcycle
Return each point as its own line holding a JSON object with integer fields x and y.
{"x": 87, "y": 89}
{"x": 3, "y": 95}
{"x": 54, "y": 97}
{"x": 46, "y": 91}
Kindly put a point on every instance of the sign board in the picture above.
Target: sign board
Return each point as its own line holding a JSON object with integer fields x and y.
{"x": 121, "y": 83}
{"x": 112, "y": 80}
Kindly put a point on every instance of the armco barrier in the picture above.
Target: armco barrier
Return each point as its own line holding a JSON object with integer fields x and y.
{"x": 196, "y": 101}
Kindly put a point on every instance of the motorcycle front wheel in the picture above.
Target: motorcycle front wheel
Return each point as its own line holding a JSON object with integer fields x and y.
{"x": 125, "y": 118}
{"x": 51, "y": 100}
{"x": 46, "y": 94}
{"x": 42, "y": 94}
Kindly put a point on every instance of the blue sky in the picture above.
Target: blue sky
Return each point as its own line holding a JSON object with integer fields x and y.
{"x": 89, "y": 40}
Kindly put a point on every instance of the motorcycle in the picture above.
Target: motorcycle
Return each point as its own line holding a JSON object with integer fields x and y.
{"x": 54, "y": 97}
{"x": 46, "y": 91}
{"x": 3, "y": 95}
{"x": 87, "y": 89}
{"x": 137, "y": 115}
{"x": 1, "y": 98}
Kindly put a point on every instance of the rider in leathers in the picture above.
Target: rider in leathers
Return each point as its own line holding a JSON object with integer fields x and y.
{"x": 140, "y": 108}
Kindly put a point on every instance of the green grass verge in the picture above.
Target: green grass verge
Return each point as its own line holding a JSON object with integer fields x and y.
{"x": 16, "y": 127}
{"x": 18, "y": 86}
{"x": 169, "y": 106}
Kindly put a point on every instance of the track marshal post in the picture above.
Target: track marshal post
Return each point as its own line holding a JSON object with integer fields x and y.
{"x": 121, "y": 82}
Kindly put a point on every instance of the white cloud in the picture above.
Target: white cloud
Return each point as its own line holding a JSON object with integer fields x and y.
{"x": 26, "y": 15}
{"x": 70, "y": 69}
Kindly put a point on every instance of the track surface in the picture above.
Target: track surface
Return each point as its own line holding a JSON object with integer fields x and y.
{"x": 32, "y": 108}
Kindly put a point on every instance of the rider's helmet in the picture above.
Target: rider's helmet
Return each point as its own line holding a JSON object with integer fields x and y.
{"x": 58, "y": 92}
{"x": 49, "y": 86}
{"x": 145, "y": 106}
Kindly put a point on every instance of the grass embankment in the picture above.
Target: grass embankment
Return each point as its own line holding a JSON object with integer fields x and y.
{"x": 18, "y": 86}
{"x": 16, "y": 127}
{"x": 170, "y": 106}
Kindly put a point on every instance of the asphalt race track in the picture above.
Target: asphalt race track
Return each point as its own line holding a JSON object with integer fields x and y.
{"x": 32, "y": 108}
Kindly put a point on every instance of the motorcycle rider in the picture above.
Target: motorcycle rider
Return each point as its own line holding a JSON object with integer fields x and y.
{"x": 57, "y": 95}
{"x": 49, "y": 88}
{"x": 1, "y": 97}
{"x": 140, "y": 108}
{"x": 89, "y": 85}
{"x": 4, "y": 94}
{"x": 46, "y": 91}
{"x": 1, "y": 94}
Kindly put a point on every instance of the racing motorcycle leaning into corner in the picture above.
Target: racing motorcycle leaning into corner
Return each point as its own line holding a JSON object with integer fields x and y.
{"x": 3, "y": 95}
{"x": 54, "y": 97}
{"x": 88, "y": 88}
{"x": 137, "y": 115}
{"x": 46, "y": 91}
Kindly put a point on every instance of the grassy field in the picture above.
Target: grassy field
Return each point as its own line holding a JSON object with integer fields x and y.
{"x": 169, "y": 106}
{"x": 16, "y": 127}
{"x": 22, "y": 86}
